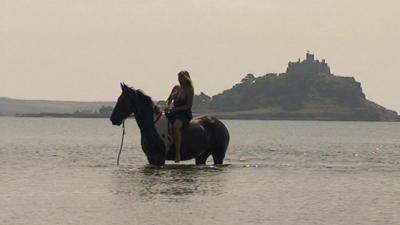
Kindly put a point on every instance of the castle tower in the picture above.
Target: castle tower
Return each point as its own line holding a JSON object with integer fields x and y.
{"x": 309, "y": 57}
{"x": 310, "y": 65}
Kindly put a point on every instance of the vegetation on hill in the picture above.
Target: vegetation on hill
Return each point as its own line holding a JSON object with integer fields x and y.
{"x": 307, "y": 90}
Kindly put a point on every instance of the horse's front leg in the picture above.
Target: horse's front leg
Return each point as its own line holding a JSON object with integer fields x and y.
{"x": 156, "y": 160}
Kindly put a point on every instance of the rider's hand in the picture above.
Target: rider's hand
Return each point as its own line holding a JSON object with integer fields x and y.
{"x": 168, "y": 110}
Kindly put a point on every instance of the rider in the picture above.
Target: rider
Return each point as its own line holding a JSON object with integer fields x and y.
{"x": 179, "y": 105}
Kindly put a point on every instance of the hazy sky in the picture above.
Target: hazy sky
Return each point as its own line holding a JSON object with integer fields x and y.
{"x": 82, "y": 49}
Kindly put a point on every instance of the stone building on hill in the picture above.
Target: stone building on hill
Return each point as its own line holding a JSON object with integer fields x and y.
{"x": 308, "y": 66}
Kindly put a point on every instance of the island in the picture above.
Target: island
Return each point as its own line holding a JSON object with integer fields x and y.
{"x": 306, "y": 91}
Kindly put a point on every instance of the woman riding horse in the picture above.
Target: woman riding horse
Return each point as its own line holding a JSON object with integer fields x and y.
{"x": 204, "y": 136}
{"x": 179, "y": 108}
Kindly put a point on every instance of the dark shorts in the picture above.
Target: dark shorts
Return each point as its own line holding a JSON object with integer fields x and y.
{"x": 183, "y": 116}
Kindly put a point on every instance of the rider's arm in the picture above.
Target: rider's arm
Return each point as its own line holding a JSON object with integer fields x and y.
{"x": 172, "y": 95}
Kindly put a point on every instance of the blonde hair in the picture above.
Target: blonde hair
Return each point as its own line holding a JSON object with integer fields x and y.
{"x": 186, "y": 75}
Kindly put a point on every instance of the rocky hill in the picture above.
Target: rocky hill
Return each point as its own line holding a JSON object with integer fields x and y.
{"x": 306, "y": 91}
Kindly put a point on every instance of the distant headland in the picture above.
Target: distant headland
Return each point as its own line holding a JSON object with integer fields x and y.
{"x": 58, "y": 109}
{"x": 306, "y": 91}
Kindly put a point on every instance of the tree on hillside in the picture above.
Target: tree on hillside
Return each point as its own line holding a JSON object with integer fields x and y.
{"x": 248, "y": 78}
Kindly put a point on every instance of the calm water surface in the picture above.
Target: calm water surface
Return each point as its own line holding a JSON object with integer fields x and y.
{"x": 63, "y": 171}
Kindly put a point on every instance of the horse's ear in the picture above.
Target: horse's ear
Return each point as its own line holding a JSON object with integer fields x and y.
{"x": 124, "y": 86}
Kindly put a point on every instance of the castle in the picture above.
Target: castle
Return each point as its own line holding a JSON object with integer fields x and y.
{"x": 308, "y": 66}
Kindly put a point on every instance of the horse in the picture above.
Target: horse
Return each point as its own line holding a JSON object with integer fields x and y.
{"x": 205, "y": 135}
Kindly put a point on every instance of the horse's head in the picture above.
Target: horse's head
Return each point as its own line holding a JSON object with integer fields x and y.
{"x": 132, "y": 101}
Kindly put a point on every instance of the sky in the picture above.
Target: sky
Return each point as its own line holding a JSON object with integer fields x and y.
{"x": 81, "y": 49}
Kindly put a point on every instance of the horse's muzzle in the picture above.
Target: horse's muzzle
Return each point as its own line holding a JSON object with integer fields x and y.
{"x": 115, "y": 123}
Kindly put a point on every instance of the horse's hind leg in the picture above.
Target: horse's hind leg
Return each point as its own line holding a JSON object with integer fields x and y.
{"x": 218, "y": 160}
{"x": 218, "y": 154}
{"x": 201, "y": 159}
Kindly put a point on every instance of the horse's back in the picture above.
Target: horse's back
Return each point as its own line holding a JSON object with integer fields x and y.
{"x": 212, "y": 125}
{"x": 202, "y": 134}
{"x": 216, "y": 130}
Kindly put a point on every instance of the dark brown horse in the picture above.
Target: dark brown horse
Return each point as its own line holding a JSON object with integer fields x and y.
{"x": 204, "y": 136}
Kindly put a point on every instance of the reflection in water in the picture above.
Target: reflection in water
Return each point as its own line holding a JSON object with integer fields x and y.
{"x": 172, "y": 182}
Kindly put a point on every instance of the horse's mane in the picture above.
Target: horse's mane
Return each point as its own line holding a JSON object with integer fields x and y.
{"x": 143, "y": 96}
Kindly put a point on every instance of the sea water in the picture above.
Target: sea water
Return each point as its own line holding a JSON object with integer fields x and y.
{"x": 63, "y": 171}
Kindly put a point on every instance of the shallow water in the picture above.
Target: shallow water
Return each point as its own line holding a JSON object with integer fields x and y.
{"x": 63, "y": 171}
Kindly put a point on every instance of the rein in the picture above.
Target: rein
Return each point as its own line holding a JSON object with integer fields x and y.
{"x": 158, "y": 117}
{"x": 122, "y": 141}
{"x": 123, "y": 135}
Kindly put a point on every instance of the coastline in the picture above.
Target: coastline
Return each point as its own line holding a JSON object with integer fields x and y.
{"x": 63, "y": 115}
{"x": 230, "y": 116}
